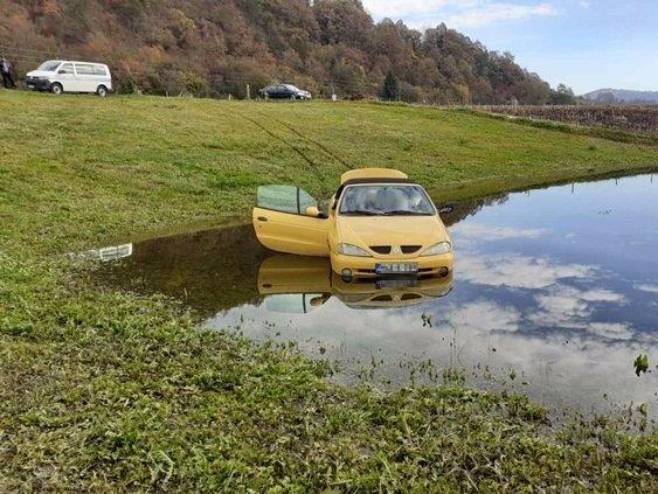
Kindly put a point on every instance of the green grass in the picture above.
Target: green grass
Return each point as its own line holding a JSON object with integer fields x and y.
{"x": 102, "y": 390}
{"x": 93, "y": 169}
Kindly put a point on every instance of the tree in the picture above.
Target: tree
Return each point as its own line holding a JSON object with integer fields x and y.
{"x": 218, "y": 47}
{"x": 343, "y": 21}
{"x": 391, "y": 88}
{"x": 563, "y": 95}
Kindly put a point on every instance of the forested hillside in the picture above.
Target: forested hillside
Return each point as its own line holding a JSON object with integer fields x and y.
{"x": 217, "y": 47}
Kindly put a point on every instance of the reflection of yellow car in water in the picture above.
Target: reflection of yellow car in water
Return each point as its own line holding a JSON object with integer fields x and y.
{"x": 379, "y": 223}
{"x": 299, "y": 284}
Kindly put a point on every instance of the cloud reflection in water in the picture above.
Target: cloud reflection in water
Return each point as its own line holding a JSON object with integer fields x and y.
{"x": 544, "y": 284}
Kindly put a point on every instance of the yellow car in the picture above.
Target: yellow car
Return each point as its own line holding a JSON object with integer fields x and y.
{"x": 298, "y": 284}
{"x": 379, "y": 223}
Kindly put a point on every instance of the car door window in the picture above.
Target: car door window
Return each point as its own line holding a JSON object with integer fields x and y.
{"x": 285, "y": 198}
{"x": 305, "y": 201}
{"x": 84, "y": 69}
{"x": 100, "y": 71}
{"x": 294, "y": 303}
{"x": 66, "y": 68}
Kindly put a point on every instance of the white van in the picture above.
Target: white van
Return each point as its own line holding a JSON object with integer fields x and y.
{"x": 59, "y": 76}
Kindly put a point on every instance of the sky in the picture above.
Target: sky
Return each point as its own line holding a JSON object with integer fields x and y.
{"x": 586, "y": 44}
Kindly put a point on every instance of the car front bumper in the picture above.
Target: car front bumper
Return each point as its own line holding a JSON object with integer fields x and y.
{"x": 364, "y": 267}
{"x": 38, "y": 84}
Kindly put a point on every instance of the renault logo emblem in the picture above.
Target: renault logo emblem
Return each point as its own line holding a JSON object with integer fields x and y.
{"x": 396, "y": 250}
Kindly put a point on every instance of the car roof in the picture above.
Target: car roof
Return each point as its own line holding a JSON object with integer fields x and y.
{"x": 375, "y": 174}
{"x": 79, "y": 61}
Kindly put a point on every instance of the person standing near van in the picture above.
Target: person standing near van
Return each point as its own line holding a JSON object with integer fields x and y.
{"x": 5, "y": 68}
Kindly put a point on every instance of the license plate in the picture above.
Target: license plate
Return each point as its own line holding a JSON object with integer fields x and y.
{"x": 396, "y": 283}
{"x": 397, "y": 268}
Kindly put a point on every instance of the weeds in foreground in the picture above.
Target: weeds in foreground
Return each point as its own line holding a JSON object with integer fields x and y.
{"x": 103, "y": 390}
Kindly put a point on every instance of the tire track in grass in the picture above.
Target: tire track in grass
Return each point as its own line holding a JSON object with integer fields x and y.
{"x": 312, "y": 164}
{"x": 321, "y": 146}
{"x": 282, "y": 140}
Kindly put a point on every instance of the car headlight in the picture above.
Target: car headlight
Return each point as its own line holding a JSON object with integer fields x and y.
{"x": 437, "y": 249}
{"x": 352, "y": 250}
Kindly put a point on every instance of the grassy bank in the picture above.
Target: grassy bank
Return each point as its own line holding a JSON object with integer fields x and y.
{"x": 97, "y": 168}
{"x": 109, "y": 391}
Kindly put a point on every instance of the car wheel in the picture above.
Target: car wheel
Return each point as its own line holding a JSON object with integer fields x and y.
{"x": 56, "y": 88}
{"x": 101, "y": 91}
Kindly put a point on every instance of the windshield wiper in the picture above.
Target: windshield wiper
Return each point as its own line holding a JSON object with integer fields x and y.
{"x": 402, "y": 212}
{"x": 360, "y": 212}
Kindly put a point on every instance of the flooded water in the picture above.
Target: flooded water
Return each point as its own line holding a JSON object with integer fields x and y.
{"x": 555, "y": 293}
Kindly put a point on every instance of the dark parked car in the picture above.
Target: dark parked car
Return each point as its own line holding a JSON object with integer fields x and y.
{"x": 285, "y": 91}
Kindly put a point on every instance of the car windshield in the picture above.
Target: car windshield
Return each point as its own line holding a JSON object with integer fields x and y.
{"x": 49, "y": 66}
{"x": 386, "y": 200}
{"x": 291, "y": 87}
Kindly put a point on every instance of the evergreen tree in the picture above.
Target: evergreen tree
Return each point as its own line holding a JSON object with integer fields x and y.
{"x": 391, "y": 87}
{"x": 563, "y": 95}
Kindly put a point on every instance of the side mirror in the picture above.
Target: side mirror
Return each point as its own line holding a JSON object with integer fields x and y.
{"x": 312, "y": 211}
{"x": 321, "y": 300}
{"x": 446, "y": 209}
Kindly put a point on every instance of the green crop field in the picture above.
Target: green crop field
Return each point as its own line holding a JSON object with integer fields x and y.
{"x": 102, "y": 390}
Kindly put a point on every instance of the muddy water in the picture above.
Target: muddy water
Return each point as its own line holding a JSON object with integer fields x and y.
{"x": 555, "y": 293}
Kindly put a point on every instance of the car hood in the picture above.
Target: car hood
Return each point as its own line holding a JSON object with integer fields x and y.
{"x": 39, "y": 73}
{"x": 365, "y": 231}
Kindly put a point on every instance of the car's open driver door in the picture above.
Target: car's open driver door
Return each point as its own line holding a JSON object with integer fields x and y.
{"x": 282, "y": 222}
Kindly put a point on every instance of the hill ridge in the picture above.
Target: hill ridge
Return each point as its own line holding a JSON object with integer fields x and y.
{"x": 210, "y": 48}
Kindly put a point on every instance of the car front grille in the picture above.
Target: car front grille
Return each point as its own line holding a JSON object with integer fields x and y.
{"x": 386, "y": 249}
{"x": 382, "y": 298}
{"x": 381, "y": 249}
{"x": 37, "y": 82}
{"x": 410, "y": 249}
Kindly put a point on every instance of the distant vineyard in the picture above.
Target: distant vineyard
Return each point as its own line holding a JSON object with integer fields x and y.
{"x": 635, "y": 119}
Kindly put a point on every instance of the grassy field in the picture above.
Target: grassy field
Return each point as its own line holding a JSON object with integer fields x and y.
{"x": 93, "y": 169}
{"x": 108, "y": 391}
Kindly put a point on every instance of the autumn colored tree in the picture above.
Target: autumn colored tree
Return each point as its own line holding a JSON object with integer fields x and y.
{"x": 216, "y": 48}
